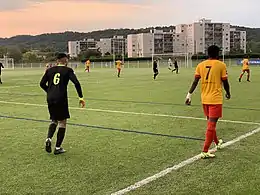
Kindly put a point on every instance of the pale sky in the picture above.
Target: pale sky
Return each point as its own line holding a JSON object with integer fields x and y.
{"x": 19, "y": 17}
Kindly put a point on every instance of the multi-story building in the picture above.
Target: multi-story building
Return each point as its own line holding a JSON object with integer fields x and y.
{"x": 237, "y": 41}
{"x": 200, "y": 35}
{"x": 75, "y": 47}
{"x": 155, "y": 42}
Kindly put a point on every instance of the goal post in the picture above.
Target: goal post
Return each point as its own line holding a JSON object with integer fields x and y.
{"x": 183, "y": 59}
{"x": 7, "y": 62}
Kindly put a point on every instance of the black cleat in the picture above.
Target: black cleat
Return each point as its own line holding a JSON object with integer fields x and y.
{"x": 239, "y": 79}
{"x": 59, "y": 151}
{"x": 48, "y": 145}
{"x": 248, "y": 80}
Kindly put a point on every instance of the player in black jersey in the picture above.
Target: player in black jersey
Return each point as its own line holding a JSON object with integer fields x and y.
{"x": 176, "y": 67}
{"x": 155, "y": 69}
{"x": 54, "y": 83}
{"x": 1, "y": 66}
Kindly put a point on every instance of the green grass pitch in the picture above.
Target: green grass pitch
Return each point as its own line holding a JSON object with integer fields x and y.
{"x": 126, "y": 134}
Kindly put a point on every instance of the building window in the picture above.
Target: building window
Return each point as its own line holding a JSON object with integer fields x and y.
{"x": 133, "y": 45}
{"x": 182, "y": 30}
{"x": 133, "y": 49}
{"x": 178, "y": 35}
{"x": 226, "y": 39}
{"x": 182, "y": 44}
{"x": 226, "y": 34}
{"x": 226, "y": 48}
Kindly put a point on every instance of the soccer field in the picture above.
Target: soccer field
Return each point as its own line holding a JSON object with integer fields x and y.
{"x": 132, "y": 128}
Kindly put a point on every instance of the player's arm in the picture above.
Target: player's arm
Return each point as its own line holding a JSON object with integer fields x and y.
{"x": 2, "y": 65}
{"x": 193, "y": 86}
{"x": 76, "y": 82}
{"x": 224, "y": 78}
{"x": 44, "y": 82}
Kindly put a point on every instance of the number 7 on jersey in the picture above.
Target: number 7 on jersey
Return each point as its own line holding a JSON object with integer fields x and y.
{"x": 209, "y": 68}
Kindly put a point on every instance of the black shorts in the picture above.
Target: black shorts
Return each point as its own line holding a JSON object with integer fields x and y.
{"x": 155, "y": 70}
{"x": 59, "y": 110}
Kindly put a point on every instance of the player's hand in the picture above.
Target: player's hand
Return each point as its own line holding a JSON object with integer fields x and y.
{"x": 228, "y": 96}
{"x": 188, "y": 99}
{"x": 82, "y": 103}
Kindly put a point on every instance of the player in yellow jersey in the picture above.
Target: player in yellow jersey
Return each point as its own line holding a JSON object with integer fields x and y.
{"x": 212, "y": 73}
{"x": 246, "y": 69}
{"x": 119, "y": 64}
{"x": 87, "y": 65}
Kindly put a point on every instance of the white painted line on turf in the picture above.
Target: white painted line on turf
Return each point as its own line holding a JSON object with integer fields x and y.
{"x": 16, "y": 86}
{"x": 133, "y": 113}
{"x": 178, "y": 166}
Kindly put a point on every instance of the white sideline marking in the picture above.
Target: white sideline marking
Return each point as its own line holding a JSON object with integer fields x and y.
{"x": 180, "y": 165}
{"x": 16, "y": 86}
{"x": 133, "y": 113}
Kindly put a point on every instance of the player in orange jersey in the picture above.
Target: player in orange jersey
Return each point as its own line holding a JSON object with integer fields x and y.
{"x": 213, "y": 74}
{"x": 87, "y": 65}
{"x": 245, "y": 69}
{"x": 119, "y": 64}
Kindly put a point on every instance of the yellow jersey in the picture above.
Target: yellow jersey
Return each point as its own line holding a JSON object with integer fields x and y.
{"x": 87, "y": 63}
{"x": 211, "y": 73}
{"x": 245, "y": 64}
{"x": 119, "y": 63}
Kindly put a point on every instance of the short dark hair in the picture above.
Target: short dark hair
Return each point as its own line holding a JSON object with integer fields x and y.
{"x": 61, "y": 55}
{"x": 213, "y": 51}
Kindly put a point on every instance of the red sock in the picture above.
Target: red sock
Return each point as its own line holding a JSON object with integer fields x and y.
{"x": 241, "y": 76}
{"x": 248, "y": 76}
{"x": 210, "y": 136}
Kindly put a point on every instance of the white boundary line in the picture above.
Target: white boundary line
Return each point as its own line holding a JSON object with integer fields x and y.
{"x": 133, "y": 113}
{"x": 178, "y": 166}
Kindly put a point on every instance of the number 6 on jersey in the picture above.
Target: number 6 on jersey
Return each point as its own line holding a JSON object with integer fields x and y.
{"x": 56, "y": 79}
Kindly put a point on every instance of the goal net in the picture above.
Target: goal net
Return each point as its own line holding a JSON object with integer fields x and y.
{"x": 183, "y": 59}
{"x": 7, "y": 62}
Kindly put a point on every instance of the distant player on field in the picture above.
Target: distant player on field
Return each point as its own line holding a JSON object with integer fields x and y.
{"x": 176, "y": 67}
{"x": 1, "y": 66}
{"x": 212, "y": 73}
{"x": 119, "y": 64}
{"x": 245, "y": 69}
{"x": 155, "y": 69}
{"x": 54, "y": 83}
{"x": 170, "y": 64}
{"x": 87, "y": 65}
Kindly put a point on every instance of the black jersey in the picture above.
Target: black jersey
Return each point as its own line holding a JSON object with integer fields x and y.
{"x": 175, "y": 64}
{"x": 155, "y": 65}
{"x": 1, "y": 66}
{"x": 55, "y": 82}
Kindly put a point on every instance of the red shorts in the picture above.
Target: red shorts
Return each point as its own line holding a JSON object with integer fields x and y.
{"x": 213, "y": 111}
{"x": 119, "y": 69}
{"x": 246, "y": 70}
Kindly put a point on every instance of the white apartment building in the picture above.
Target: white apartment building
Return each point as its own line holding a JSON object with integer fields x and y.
{"x": 237, "y": 40}
{"x": 75, "y": 47}
{"x": 200, "y": 35}
{"x": 155, "y": 42}
{"x": 113, "y": 46}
